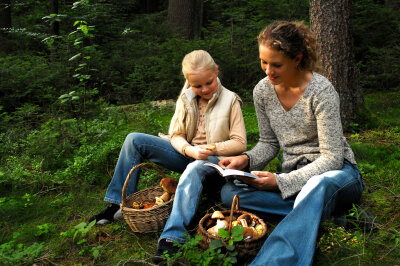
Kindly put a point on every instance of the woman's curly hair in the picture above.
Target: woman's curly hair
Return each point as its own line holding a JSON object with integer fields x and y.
{"x": 292, "y": 38}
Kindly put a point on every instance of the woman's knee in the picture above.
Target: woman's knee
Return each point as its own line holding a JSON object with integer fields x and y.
{"x": 228, "y": 191}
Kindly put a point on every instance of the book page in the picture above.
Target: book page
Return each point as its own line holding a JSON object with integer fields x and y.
{"x": 225, "y": 172}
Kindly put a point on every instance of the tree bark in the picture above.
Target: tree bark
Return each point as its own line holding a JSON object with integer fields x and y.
{"x": 5, "y": 14}
{"x": 330, "y": 21}
{"x": 55, "y": 26}
{"x": 186, "y": 16}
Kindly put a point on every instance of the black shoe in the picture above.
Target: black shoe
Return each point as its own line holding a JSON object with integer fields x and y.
{"x": 164, "y": 245}
{"x": 109, "y": 215}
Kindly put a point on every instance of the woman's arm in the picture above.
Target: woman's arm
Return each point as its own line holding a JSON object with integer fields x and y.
{"x": 267, "y": 147}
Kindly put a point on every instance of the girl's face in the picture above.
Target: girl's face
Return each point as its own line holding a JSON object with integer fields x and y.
{"x": 204, "y": 83}
{"x": 279, "y": 68}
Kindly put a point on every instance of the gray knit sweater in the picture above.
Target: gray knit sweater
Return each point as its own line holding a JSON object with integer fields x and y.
{"x": 311, "y": 130}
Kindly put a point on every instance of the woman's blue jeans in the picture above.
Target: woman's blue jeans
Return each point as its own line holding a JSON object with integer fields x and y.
{"x": 138, "y": 147}
{"x": 293, "y": 241}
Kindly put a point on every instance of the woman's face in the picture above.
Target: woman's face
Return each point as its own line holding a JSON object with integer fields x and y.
{"x": 204, "y": 83}
{"x": 279, "y": 68}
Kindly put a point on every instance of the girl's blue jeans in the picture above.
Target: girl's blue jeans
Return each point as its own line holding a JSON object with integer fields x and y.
{"x": 138, "y": 147}
{"x": 293, "y": 241}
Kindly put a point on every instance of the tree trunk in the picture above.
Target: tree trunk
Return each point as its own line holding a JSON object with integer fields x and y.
{"x": 5, "y": 14}
{"x": 55, "y": 26}
{"x": 186, "y": 16}
{"x": 330, "y": 21}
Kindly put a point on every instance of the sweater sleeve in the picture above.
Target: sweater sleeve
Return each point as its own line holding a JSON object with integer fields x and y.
{"x": 237, "y": 142}
{"x": 330, "y": 134}
{"x": 267, "y": 147}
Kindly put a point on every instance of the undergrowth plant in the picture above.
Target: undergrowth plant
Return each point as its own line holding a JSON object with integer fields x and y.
{"x": 79, "y": 236}
{"x": 220, "y": 252}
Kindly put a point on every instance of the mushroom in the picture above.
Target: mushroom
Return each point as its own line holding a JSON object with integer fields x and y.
{"x": 246, "y": 217}
{"x": 259, "y": 228}
{"x": 217, "y": 215}
{"x": 220, "y": 224}
{"x": 169, "y": 184}
{"x": 148, "y": 206}
{"x": 135, "y": 205}
{"x": 166, "y": 196}
{"x": 243, "y": 222}
{"x": 249, "y": 232}
{"x": 159, "y": 201}
{"x": 212, "y": 231}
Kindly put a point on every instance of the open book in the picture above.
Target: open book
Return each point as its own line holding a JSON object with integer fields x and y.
{"x": 230, "y": 173}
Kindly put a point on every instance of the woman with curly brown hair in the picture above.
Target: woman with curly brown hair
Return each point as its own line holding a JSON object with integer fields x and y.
{"x": 298, "y": 111}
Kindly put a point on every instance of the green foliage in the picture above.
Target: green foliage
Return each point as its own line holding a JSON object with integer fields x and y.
{"x": 30, "y": 80}
{"x": 60, "y": 135}
{"x": 14, "y": 253}
{"x": 220, "y": 252}
{"x": 337, "y": 238}
{"x": 78, "y": 234}
{"x": 376, "y": 34}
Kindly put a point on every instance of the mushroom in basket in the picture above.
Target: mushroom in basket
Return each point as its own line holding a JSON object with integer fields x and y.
{"x": 252, "y": 229}
{"x": 169, "y": 185}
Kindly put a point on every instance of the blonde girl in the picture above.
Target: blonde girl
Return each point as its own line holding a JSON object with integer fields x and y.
{"x": 206, "y": 125}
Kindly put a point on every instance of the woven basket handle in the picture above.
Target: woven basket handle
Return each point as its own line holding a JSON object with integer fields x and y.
{"x": 235, "y": 200}
{"x": 129, "y": 177}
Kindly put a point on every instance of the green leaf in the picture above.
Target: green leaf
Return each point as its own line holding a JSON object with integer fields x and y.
{"x": 75, "y": 57}
{"x": 223, "y": 233}
{"x": 81, "y": 241}
{"x": 230, "y": 247}
{"x": 216, "y": 243}
{"x": 237, "y": 233}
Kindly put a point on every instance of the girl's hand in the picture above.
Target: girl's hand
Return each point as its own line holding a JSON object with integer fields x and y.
{"x": 198, "y": 152}
{"x": 267, "y": 180}
{"x": 237, "y": 162}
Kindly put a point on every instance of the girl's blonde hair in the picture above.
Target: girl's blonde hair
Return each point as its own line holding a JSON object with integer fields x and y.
{"x": 197, "y": 60}
{"x": 193, "y": 62}
{"x": 292, "y": 38}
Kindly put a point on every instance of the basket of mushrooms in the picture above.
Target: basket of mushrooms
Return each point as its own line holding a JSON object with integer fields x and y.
{"x": 148, "y": 210}
{"x": 254, "y": 233}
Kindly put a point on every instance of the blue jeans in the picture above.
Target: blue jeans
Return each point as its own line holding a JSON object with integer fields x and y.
{"x": 293, "y": 241}
{"x": 136, "y": 148}
{"x": 187, "y": 196}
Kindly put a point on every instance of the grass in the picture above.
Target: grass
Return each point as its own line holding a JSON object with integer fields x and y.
{"x": 38, "y": 225}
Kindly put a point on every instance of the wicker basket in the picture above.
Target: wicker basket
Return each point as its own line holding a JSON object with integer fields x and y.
{"x": 145, "y": 220}
{"x": 249, "y": 247}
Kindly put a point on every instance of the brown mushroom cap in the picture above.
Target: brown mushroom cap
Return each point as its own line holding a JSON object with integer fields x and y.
{"x": 217, "y": 215}
{"x": 249, "y": 232}
{"x": 245, "y": 216}
{"x": 169, "y": 184}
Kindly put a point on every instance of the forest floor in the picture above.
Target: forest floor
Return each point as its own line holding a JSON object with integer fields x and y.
{"x": 50, "y": 227}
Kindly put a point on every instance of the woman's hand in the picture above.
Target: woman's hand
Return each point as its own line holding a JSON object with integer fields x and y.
{"x": 267, "y": 180}
{"x": 237, "y": 162}
{"x": 200, "y": 152}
